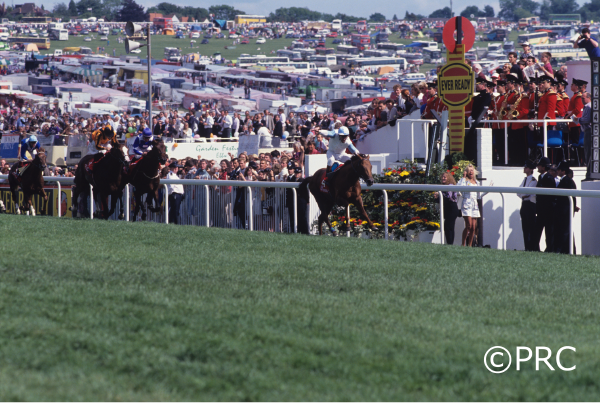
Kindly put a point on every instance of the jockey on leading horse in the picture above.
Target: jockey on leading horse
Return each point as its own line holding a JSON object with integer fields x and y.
{"x": 338, "y": 144}
{"x": 30, "y": 145}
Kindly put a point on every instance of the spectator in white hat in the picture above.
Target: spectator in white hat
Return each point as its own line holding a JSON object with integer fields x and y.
{"x": 526, "y": 50}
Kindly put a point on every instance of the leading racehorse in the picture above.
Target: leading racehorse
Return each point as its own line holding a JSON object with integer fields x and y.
{"x": 31, "y": 182}
{"x": 345, "y": 188}
{"x": 144, "y": 176}
{"x": 106, "y": 176}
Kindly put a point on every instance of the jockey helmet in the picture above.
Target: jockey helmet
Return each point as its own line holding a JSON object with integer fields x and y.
{"x": 343, "y": 131}
{"x": 147, "y": 132}
{"x": 32, "y": 139}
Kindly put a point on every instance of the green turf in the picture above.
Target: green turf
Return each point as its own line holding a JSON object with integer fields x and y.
{"x": 93, "y": 310}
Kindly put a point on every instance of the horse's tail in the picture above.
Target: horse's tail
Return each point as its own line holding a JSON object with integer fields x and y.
{"x": 303, "y": 188}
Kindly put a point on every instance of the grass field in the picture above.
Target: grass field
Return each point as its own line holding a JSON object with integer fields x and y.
{"x": 93, "y": 310}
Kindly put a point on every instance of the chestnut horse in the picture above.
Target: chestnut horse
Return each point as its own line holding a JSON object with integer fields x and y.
{"x": 144, "y": 176}
{"x": 344, "y": 189}
{"x": 106, "y": 177}
{"x": 31, "y": 182}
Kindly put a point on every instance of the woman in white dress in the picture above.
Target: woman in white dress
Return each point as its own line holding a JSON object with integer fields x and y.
{"x": 469, "y": 207}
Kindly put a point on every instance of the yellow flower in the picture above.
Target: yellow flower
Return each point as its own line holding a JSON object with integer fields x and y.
{"x": 363, "y": 223}
{"x": 333, "y": 224}
{"x": 377, "y": 224}
{"x": 404, "y": 173}
{"x": 388, "y": 173}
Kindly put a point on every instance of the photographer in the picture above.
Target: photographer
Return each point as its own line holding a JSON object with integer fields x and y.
{"x": 587, "y": 42}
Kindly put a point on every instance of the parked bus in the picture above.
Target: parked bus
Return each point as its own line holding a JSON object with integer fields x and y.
{"x": 36, "y": 20}
{"x": 536, "y": 38}
{"x": 323, "y": 60}
{"x": 249, "y": 19}
{"x": 325, "y": 51}
{"x": 42, "y": 43}
{"x": 376, "y": 53}
{"x": 361, "y": 26}
{"x": 398, "y": 63}
{"x": 336, "y": 25}
{"x": 360, "y": 41}
{"x": 349, "y": 49}
{"x": 431, "y": 55}
{"x": 300, "y": 67}
{"x": 293, "y": 55}
{"x": 253, "y": 60}
{"x": 525, "y": 22}
{"x": 496, "y": 35}
{"x": 570, "y": 19}
{"x": 392, "y": 47}
{"x": 307, "y": 53}
{"x": 560, "y": 51}
{"x": 59, "y": 34}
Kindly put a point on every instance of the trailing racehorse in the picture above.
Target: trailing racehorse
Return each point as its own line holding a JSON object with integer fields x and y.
{"x": 344, "y": 188}
{"x": 144, "y": 176}
{"x": 105, "y": 173}
{"x": 31, "y": 182}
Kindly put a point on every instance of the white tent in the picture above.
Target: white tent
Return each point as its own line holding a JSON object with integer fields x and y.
{"x": 311, "y": 108}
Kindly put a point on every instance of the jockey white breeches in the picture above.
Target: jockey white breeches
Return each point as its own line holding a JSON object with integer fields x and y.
{"x": 341, "y": 157}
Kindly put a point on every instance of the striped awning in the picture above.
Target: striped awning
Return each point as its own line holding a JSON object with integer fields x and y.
{"x": 87, "y": 72}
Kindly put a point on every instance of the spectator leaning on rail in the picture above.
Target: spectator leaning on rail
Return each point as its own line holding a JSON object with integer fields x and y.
{"x": 175, "y": 194}
{"x": 587, "y": 42}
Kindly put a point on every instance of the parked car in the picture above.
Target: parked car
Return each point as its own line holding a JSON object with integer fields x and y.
{"x": 245, "y": 41}
{"x": 336, "y": 41}
{"x": 233, "y": 36}
{"x": 260, "y": 40}
{"x": 332, "y": 35}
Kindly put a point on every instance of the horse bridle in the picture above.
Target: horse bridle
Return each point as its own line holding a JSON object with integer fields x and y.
{"x": 41, "y": 167}
{"x": 359, "y": 175}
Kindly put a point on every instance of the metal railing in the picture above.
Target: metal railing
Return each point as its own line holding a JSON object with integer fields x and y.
{"x": 215, "y": 201}
{"x": 544, "y": 121}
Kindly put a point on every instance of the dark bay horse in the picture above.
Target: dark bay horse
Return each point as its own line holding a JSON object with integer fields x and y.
{"x": 106, "y": 177}
{"x": 346, "y": 188}
{"x": 31, "y": 182}
{"x": 144, "y": 176}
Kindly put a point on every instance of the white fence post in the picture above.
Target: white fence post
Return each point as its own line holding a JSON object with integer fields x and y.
{"x": 166, "y": 197}
{"x": 91, "y": 202}
{"x": 206, "y": 207}
{"x": 385, "y": 215}
{"x": 58, "y": 202}
{"x": 126, "y": 201}
{"x": 441, "y": 197}
{"x": 249, "y": 204}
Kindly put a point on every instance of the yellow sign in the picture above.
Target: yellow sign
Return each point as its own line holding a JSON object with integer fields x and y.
{"x": 455, "y": 84}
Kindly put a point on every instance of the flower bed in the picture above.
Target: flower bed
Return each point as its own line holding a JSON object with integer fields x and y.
{"x": 409, "y": 212}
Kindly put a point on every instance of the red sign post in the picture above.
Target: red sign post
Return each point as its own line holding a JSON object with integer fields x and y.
{"x": 456, "y": 81}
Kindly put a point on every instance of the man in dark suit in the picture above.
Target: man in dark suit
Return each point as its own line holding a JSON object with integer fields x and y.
{"x": 157, "y": 127}
{"x": 481, "y": 103}
{"x": 527, "y": 211}
{"x": 278, "y": 130}
{"x": 544, "y": 206}
{"x": 563, "y": 212}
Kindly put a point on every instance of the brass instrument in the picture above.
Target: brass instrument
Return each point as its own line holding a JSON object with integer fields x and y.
{"x": 514, "y": 113}
{"x": 503, "y": 112}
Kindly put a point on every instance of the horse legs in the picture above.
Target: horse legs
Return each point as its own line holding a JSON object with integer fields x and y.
{"x": 138, "y": 204}
{"x": 75, "y": 201}
{"x": 15, "y": 197}
{"x": 104, "y": 204}
{"x": 43, "y": 193}
{"x": 358, "y": 203}
{"x": 153, "y": 196}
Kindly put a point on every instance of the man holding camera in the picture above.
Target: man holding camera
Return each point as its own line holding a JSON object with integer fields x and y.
{"x": 585, "y": 41}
